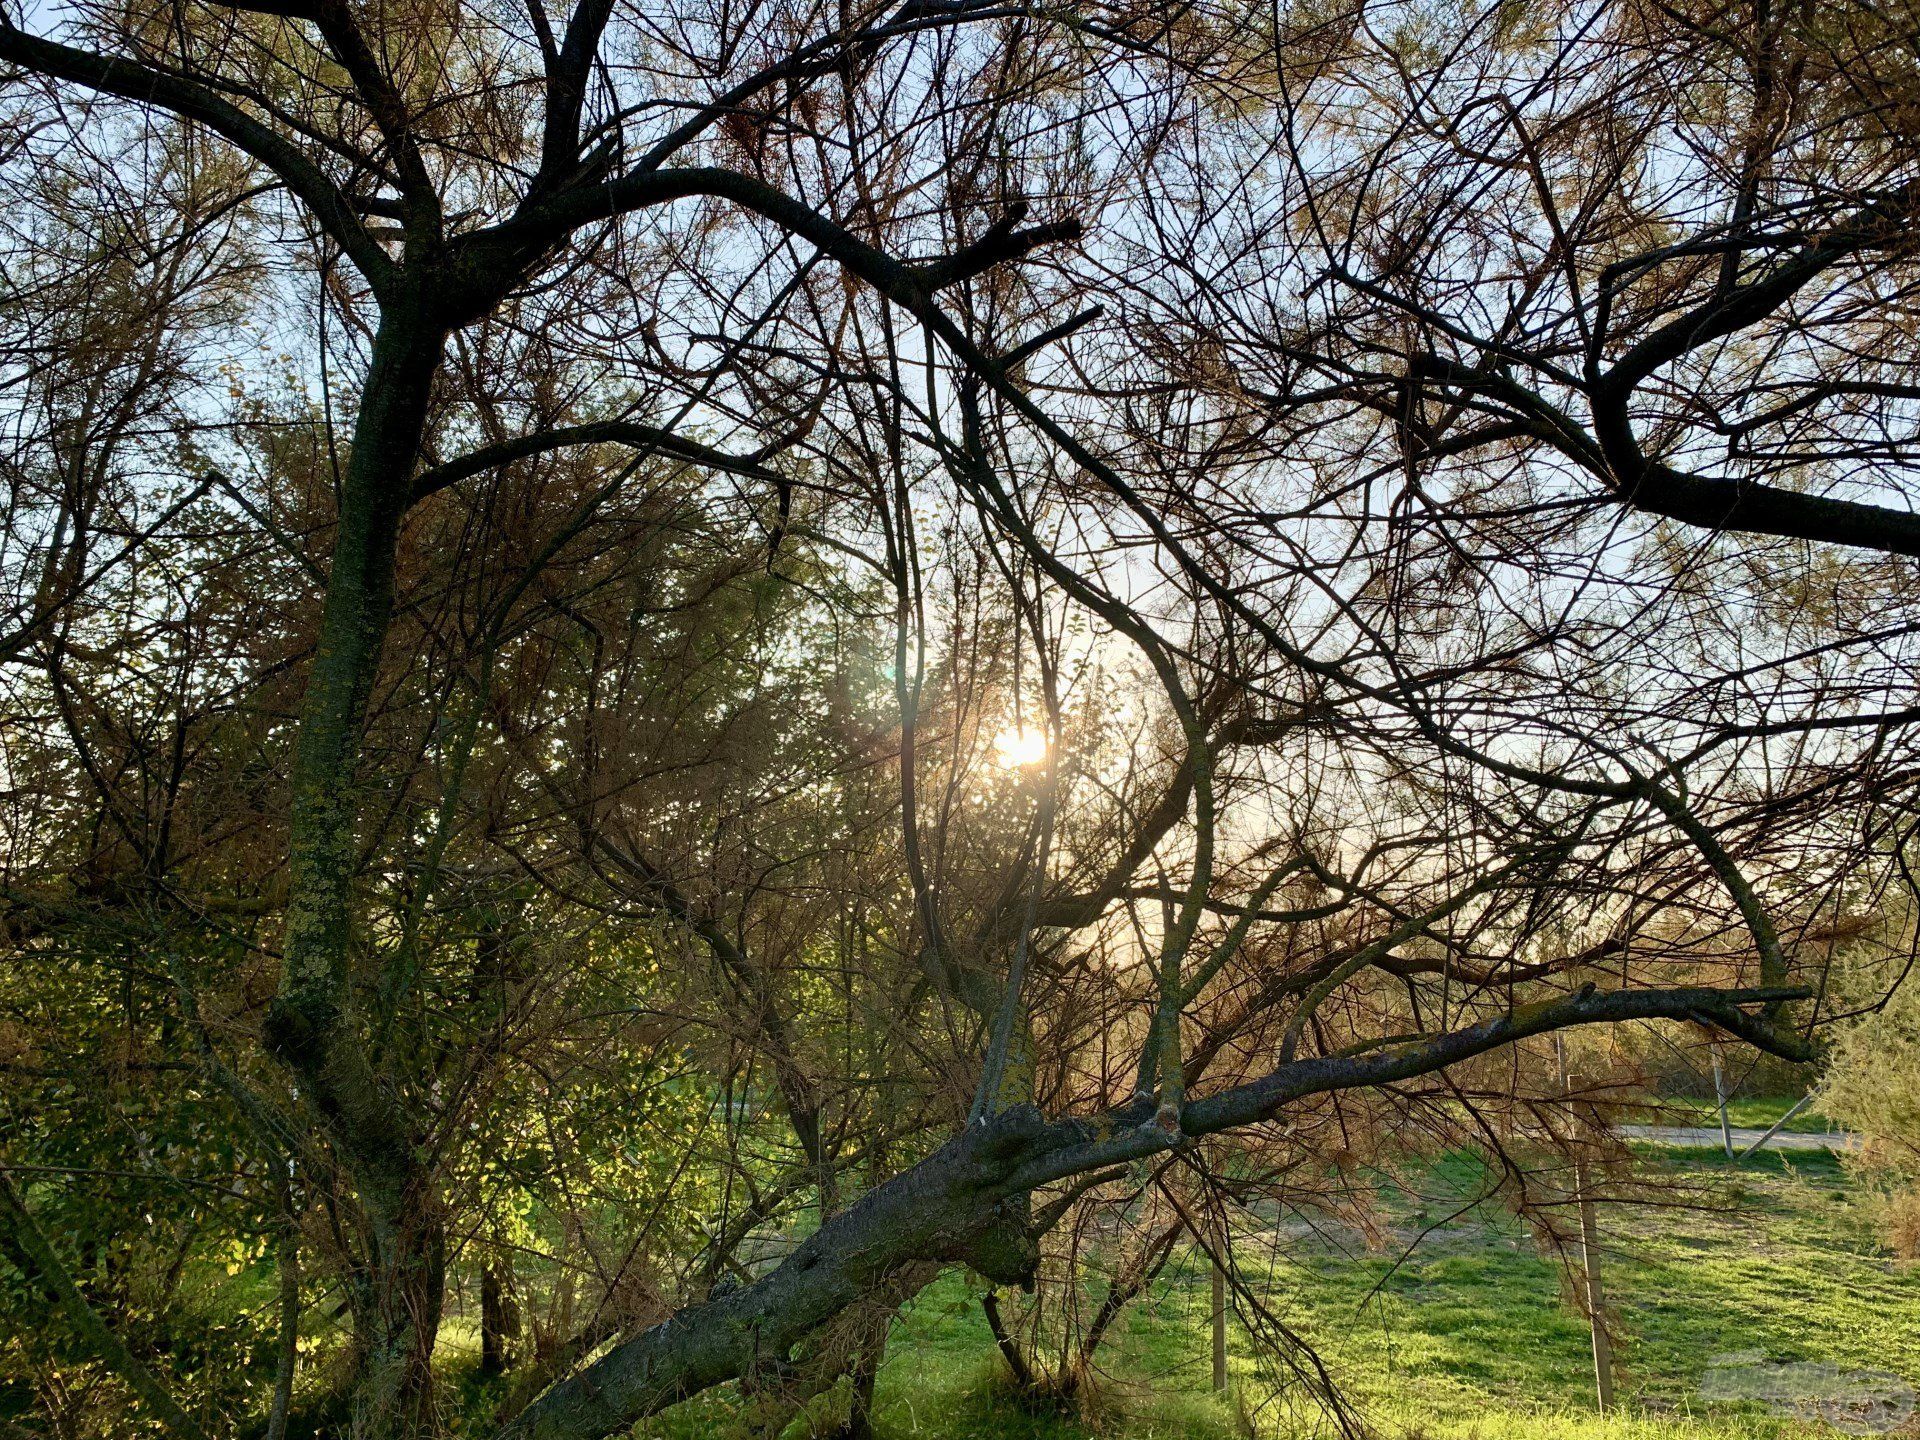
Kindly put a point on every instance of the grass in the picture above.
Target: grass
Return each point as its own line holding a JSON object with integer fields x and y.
{"x": 1467, "y": 1336}
{"x": 1788, "y": 1270}
{"x": 1471, "y": 1337}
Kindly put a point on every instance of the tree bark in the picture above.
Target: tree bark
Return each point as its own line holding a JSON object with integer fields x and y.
{"x": 316, "y": 1025}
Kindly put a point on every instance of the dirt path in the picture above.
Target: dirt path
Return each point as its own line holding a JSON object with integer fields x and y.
{"x": 1707, "y": 1137}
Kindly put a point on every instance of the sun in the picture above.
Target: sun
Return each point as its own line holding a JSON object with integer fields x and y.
{"x": 1020, "y": 745}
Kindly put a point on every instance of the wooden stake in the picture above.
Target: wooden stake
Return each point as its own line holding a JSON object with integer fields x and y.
{"x": 1774, "y": 1129}
{"x": 1720, "y": 1093}
{"x": 1219, "y": 1330}
{"x": 1590, "y": 1269}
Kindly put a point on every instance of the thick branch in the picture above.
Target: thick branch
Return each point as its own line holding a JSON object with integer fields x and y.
{"x": 1729, "y": 504}
{"x": 1259, "y": 1100}
{"x": 1715, "y": 502}
{"x": 1711, "y": 502}
{"x": 968, "y": 1202}
{"x": 620, "y": 432}
{"x": 541, "y": 225}
{"x": 1881, "y": 222}
{"x": 132, "y": 80}
{"x": 567, "y": 73}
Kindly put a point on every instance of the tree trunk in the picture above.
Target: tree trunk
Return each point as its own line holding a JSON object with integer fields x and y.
{"x": 866, "y": 1370}
{"x": 317, "y": 1026}
{"x": 392, "y": 1388}
{"x": 1006, "y": 1341}
{"x": 353, "y": 627}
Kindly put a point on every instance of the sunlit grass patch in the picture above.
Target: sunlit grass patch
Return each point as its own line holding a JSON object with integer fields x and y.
{"x": 1470, "y": 1336}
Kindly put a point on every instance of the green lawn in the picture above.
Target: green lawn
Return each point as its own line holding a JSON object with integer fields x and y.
{"x": 1469, "y": 1338}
